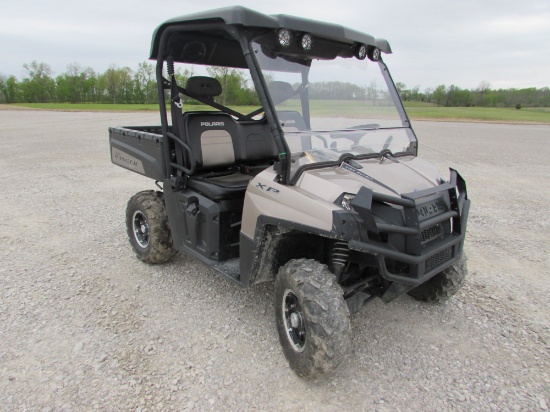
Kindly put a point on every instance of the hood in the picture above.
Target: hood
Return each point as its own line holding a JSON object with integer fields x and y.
{"x": 394, "y": 178}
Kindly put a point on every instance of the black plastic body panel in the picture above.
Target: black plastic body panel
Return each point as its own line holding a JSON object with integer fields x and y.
{"x": 139, "y": 149}
{"x": 210, "y": 228}
{"x": 275, "y": 242}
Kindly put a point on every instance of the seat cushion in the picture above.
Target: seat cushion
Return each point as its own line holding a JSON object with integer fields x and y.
{"x": 230, "y": 186}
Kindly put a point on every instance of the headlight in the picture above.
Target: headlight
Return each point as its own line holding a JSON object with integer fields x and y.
{"x": 346, "y": 201}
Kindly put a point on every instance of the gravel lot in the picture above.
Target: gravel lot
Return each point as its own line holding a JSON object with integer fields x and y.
{"x": 85, "y": 326}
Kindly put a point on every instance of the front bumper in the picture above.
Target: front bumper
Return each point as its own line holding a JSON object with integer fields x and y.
{"x": 424, "y": 246}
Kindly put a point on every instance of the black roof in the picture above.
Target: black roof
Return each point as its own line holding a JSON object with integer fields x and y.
{"x": 238, "y": 15}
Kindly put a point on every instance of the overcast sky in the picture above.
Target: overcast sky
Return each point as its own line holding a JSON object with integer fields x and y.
{"x": 503, "y": 42}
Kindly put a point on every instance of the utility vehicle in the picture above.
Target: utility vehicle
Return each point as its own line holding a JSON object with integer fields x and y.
{"x": 313, "y": 182}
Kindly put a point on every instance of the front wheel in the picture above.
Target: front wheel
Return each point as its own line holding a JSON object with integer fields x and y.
{"x": 312, "y": 318}
{"x": 443, "y": 285}
{"x": 147, "y": 227}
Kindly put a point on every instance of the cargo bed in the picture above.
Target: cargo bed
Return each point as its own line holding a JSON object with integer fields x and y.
{"x": 139, "y": 149}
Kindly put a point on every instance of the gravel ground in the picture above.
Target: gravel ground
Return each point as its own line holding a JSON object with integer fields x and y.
{"x": 85, "y": 326}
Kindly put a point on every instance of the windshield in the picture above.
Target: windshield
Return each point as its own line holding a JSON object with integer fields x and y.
{"x": 328, "y": 108}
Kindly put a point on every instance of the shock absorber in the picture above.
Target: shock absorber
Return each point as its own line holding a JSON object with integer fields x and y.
{"x": 170, "y": 66}
{"x": 173, "y": 87}
{"x": 340, "y": 256}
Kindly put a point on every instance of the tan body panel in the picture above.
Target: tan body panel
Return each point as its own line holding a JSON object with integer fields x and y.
{"x": 407, "y": 175}
{"x": 311, "y": 201}
{"x": 265, "y": 196}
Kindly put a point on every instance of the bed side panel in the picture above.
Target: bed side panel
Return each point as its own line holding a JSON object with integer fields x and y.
{"x": 138, "y": 149}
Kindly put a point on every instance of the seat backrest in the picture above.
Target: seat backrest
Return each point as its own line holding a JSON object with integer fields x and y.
{"x": 291, "y": 120}
{"x": 218, "y": 140}
{"x": 210, "y": 136}
{"x": 255, "y": 142}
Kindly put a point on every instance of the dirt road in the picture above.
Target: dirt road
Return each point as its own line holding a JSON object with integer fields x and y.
{"x": 85, "y": 326}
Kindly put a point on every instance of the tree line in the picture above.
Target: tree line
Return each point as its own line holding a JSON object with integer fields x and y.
{"x": 483, "y": 95}
{"x": 80, "y": 84}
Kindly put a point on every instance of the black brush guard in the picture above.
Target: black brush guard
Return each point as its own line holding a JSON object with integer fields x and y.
{"x": 424, "y": 259}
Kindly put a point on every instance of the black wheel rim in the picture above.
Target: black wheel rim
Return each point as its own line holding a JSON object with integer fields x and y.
{"x": 141, "y": 229}
{"x": 294, "y": 323}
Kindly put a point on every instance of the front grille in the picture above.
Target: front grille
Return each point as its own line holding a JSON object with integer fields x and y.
{"x": 437, "y": 259}
{"x": 431, "y": 232}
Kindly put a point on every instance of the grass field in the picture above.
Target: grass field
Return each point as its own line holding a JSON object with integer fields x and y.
{"x": 339, "y": 108}
{"x": 525, "y": 115}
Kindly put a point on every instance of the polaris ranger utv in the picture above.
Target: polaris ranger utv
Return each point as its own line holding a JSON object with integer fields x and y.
{"x": 318, "y": 188}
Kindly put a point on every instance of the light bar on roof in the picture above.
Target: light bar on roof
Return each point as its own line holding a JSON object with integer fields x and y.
{"x": 285, "y": 37}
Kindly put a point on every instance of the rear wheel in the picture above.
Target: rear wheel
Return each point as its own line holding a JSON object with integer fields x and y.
{"x": 312, "y": 318}
{"x": 443, "y": 285}
{"x": 147, "y": 227}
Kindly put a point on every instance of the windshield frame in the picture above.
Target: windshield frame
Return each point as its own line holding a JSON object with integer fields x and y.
{"x": 285, "y": 158}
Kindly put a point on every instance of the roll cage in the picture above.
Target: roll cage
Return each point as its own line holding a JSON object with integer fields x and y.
{"x": 223, "y": 38}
